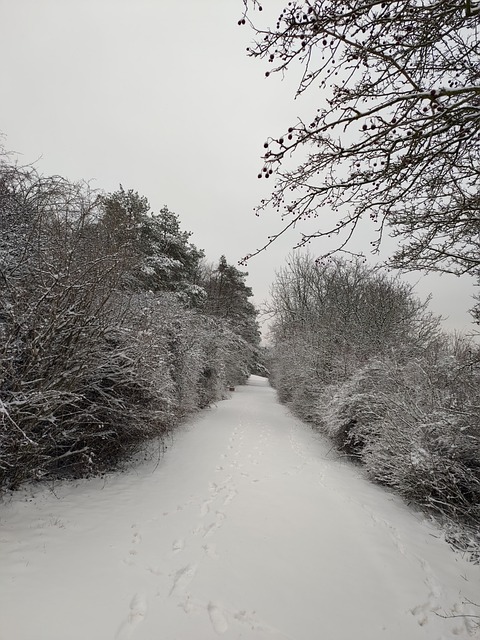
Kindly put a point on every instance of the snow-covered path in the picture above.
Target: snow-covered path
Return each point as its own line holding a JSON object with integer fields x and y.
{"x": 248, "y": 528}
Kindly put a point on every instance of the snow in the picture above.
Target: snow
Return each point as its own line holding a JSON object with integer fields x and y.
{"x": 249, "y": 527}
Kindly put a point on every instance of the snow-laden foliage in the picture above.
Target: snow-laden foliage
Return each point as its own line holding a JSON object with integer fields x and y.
{"x": 161, "y": 256}
{"x": 227, "y": 298}
{"x": 426, "y": 441}
{"x": 101, "y": 347}
{"x": 361, "y": 359}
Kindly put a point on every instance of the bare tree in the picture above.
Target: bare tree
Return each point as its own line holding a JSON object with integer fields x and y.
{"x": 396, "y": 137}
{"x": 341, "y": 314}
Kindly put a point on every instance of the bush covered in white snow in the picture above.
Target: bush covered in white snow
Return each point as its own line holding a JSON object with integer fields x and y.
{"x": 104, "y": 339}
{"x": 359, "y": 357}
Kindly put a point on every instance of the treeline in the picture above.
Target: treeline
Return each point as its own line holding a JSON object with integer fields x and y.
{"x": 358, "y": 356}
{"x": 112, "y": 326}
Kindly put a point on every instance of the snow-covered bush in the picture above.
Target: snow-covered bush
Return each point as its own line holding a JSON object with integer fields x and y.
{"x": 426, "y": 443}
{"x": 95, "y": 360}
{"x": 72, "y": 397}
{"x": 344, "y": 410}
{"x": 415, "y": 425}
{"x": 179, "y": 345}
{"x": 359, "y": 357}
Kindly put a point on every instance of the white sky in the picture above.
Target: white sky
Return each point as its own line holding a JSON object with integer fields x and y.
{"x": 161, "y": 97}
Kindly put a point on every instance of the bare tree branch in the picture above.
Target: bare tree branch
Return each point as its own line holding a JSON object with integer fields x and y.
{"x": 396, "y": 137}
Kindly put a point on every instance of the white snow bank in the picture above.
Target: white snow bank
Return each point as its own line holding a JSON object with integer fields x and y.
{"x": 246, "y": 529}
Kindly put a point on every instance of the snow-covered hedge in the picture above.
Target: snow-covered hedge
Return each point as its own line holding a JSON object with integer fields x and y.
{"x": 93, "y": 364}
{"x": 403, "y": 399}
{"x": 426, "y": 443}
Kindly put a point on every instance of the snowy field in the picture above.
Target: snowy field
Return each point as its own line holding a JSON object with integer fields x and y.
{"x": 248, "y": 528}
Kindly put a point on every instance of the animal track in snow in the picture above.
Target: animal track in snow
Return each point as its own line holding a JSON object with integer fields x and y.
{"x": 210, "y": 551}
{"x": 230, "y": 496}
{"x": 249, "y": 620}
{"x": 205, "y": 507}
{"x": 138, "y": 610}
{"x": 156, "y": 571}
{"x": 178, "y": 545}
{"x": 467, "y": 619}
{"x": 422, "y": 611}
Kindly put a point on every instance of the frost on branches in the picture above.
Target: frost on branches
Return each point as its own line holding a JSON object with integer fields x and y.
{"x": 106, "y": 339}
{"x": 396, "y": 137}
{"x": 357, "y": 355}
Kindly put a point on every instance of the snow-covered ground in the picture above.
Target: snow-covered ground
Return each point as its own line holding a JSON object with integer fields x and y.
{"x": 248, "y": 528}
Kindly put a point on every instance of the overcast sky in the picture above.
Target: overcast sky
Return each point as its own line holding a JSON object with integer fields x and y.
{"x": 161, "y": 97}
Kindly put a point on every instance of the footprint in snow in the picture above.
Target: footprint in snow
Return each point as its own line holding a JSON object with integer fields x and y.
{"x": 250, "y": 620}
{"x": 206, "y": 531}
{"x": 178, "y": 545}
{"x": 217, "y": 618}
{"x": 138, "y": 610}
{"x": 231, "y": 495}
{"x": 423, "y": 611}
{"x": 182, "y": 579}
{"x": 467, "y": 620}
{"x": 136, "y": 538}
{"x": 156, "y": 571}
{"x": 205, "y": 508}
{"x": 210, "y": 551}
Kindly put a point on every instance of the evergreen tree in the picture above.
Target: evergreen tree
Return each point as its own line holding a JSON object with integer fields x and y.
{"x": 161, "y": 254}
{"x": 228, "y": 298}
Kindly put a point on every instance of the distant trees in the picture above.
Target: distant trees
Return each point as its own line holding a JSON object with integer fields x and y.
{"x": 396, "y": 136}
{"x": 357, "y": 355}
{"x": 103, "y": 344}
{"x": 330, "y": 319}
{"x": 227, "y": 298}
